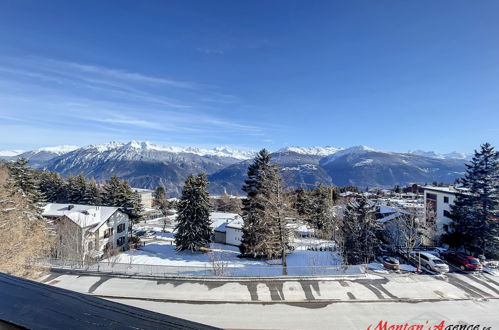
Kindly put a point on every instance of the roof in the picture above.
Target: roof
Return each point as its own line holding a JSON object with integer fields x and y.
{"x": 236, "y": 223}
{"x": 140, "y": 190}
{"x": 389, "y": 217}
{"x": 51, "y": 307}
{"x": 219, "y": 218}
{"x": 448, "y": 190}
{"x": 221, "y": 228}
{"x": 82, "y": 215}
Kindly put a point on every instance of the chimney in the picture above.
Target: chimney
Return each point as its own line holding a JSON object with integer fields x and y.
{"x": 70, "y": 206}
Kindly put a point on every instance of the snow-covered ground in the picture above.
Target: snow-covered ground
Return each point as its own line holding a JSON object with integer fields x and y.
{"x": 163, "y": 252}
{"x": 160, "y": 254}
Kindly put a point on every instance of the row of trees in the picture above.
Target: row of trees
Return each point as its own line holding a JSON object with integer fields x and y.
{"x": 46, "y": 186}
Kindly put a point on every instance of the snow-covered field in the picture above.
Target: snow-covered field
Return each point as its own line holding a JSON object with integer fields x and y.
{"x": 160, "y": 255}
{"x": 163, "y": 252}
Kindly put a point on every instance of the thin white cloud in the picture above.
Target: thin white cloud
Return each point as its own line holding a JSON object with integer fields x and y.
{"x": 54, "y": 94}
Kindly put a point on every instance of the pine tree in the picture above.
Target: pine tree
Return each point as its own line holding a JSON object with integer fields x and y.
{"x": 25, "y": 181}
{"x": 51, "y": 185}
{"x": 475, "y": 210}
{"x": 359, "y": 232}
{"x": 304, "y": 202}
{"x": 160, "y": 193}
{"x": 117, "y": 192}
{"x": 92, "y": 194}
{"x": 114, "y": 191}
{"x": 193, "y": 218}
{"x": 133, "y": 207}
{"x": 322, "y": 204}
{"x": 71, "y": 190}
{"x": 264, "y": 211}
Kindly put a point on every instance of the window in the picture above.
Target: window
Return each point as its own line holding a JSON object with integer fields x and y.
{"x": 120, "y": 241}
{"x": 121, "y": 227}
{"x": 433, "y": 197}
{"x": 108, "y": 246}
{"x": 108, "y": 232}
{"x": 446, "y": 200}
{"x": 446, "y": 214}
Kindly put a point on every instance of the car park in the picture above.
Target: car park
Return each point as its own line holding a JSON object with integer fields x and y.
{"x": 429, "y": 261}
{"x": 390, "y": 263}
{"x": 463, "y": 261}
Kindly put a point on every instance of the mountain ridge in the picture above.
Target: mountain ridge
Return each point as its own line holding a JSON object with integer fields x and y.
{"x": 147, "y": 165}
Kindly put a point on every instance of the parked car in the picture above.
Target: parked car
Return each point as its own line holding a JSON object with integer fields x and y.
{"x": 464, "y": 262}
{"x": 430, "y": 261}
{"x": 390, "y": 263}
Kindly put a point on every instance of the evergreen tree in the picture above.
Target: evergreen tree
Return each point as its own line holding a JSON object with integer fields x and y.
{"x": 304, "y": 202}
{"x": 264, "y": 211}
{"x": 475, "y": 210}
{"x": 114, "y": 192}
{"x": 51, "y": 185}
{"x": 92, "y": 194}
{"x": 160, "y": 193}
{"x": 24, "y": 179}
{"x": 360, "y": 232}
{"x": 322, "y": 204}
{"x": 133, "y": 207}
{"x": 71, "y": 190}
{"x": 316, "y": 205}
{"x": 117, "y": 192}
{"x": 193, "y": 218}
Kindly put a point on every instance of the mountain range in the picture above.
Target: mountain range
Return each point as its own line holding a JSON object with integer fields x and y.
{"x": 147, "y": 165}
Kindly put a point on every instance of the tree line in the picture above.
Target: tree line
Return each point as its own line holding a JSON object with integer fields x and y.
{"x": 45, "y": 186}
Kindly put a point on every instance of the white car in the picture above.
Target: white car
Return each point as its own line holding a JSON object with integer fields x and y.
{"x": 430, "y": 261}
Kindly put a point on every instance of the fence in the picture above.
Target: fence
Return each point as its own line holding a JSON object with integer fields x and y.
{"x": 214, "y": 270}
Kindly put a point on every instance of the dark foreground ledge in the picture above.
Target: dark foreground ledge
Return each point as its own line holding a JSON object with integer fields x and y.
{"x": 33, "y": 305}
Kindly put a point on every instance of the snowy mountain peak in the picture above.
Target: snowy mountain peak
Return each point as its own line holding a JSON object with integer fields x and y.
{"x": 348, "y": 151}
{"x": 136, "y": 147}
{"x": 316, "y": 151}
{"x": 59, "y": 150}
{"x": 10, "y": 153}
{"x": 433, "y": 154}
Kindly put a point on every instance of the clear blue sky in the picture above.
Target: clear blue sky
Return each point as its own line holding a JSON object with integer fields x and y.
{"x": 393, "y": 75}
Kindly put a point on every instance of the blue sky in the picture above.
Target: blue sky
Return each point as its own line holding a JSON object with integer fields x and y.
{"x": 393, "y": 75}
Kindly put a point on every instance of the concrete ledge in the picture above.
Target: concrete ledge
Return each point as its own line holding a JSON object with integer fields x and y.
{"x": 219, "y": 278}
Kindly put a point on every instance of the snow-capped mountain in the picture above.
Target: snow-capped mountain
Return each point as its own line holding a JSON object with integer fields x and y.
{"x": 433, "y": 154}
{"x": 58, "y": 150}
{"x": 10, "y": 153}
{"x": 315, "y": 151}
{"x": 356, "y": 150}
{"x": 147, "y": 165}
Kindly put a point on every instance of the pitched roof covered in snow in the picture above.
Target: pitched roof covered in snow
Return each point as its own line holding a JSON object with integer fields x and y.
{"x": 82, "y": 215}
{"x": 236, "y": 223}
{"x": 221, "y": 218}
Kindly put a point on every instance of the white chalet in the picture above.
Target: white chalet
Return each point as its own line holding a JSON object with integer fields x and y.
{"x": 234, "y": 231}
{"x": 86, "y": 230}
{"x": 437, "y": 201}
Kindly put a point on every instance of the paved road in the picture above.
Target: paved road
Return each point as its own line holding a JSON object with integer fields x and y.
{"x": 329, "y": 316}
